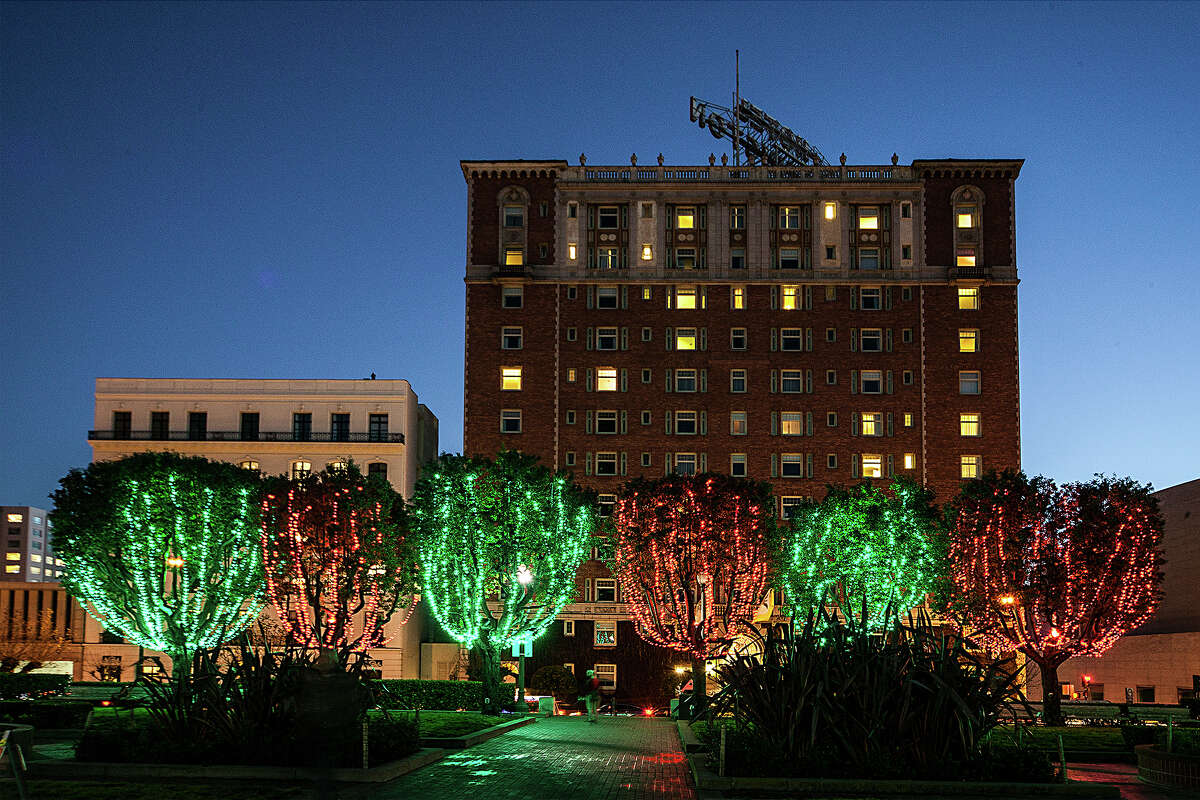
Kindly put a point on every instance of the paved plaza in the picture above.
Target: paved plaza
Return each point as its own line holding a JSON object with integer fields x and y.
{"x": 559, "y": 757}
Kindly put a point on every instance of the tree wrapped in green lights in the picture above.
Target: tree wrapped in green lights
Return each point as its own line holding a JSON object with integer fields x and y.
{"x": 864, "y": 551}
{"x": 337, "y": 562}
{"x": 693, "y": 555}
{"x": 163, "y": 550}
{"x": 1053, "y": 572}
{"x": 499, "y": 543}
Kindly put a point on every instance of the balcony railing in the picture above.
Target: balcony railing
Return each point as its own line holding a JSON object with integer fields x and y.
{"x": 237, "y": 436}
{"x": 756, "y": 174}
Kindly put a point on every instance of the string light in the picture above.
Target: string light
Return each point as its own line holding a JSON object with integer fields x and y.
{"x": 337, "y": 565}
{"x": 499, "y": 546}
{"x": 691, "y": 556}
{"x": 161, "y": 549}
{"x": 861, "y": 546}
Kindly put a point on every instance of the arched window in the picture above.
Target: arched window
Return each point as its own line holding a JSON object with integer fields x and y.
{"x": 967, "y": 220}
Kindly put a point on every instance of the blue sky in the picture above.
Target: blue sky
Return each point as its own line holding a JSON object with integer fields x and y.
{"x": 273, "y": 190}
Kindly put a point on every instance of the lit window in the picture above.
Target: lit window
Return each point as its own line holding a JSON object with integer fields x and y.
{"x": 606, "y": 463}
{"x": 606, "y": 379}
{"x": 606, "y": 297}
{"x": 685, "y": 257}
{"x": 647, "y": 293}
{"x": 13, "y": 556}
{"x": 964, "y": 216}
{"x": 790, "y": 297}
{"x": 868, "y": 218}
{"x": 737, "y": 297}
{"x": 608, "y": 258}
{"x": 791, "y": 339}
{"x": 685, "y": 463}
{"x": 737, "y": 339}
{"x": 35, "y": 570}
{"x": 968, "y": 382}
{"x": 789, "y": 217}
{"x": 791, "y": 381}
{"x": 872, "y": 423}
{"x": 791, "y": 423}
{"x": 16, "y": 517}
{"x": 514, "y": 216}
{"x": 789, "y": 506}
{"x": 868, "y": 258}
{"x": 685, "y": 422}
{"x": 872, "y": 465}
{"x": 568, "y": 629}
{"x": 510, "y": 421}
{"x": 572, "y": 251}
{"x": 647, "y": 252}
{"x": 872, "y": 340}
{"x": 607, "y": 674}
{"x": 968, "y": 340}
{"x": 968, "y": 425}
{"x": 870, "y": 381}
{"x": 685, "y": 297}
{"x": 606, "y": 630}
{"x": 685, "y": 338}
{"x": 510, "y": 379}
{"x": 869, "y": 298}
{"x": 606, "y": 338}
{"x": 737, "y": 381}
{"x": 685, "y": 217}
{"x": 606, "y": 422}
{"x": 789, "y": 258}
{"x": 831, "y": 211}
{"x": 510, "y": 338}
{"x": 608, "y": 217}
{"x": 606, "y": 592}
{"x": 908, "y": 419}
{"x": 13, "y": 569}
{"x": 571, "y": 375}
{"x": 968, "y": 299}
{"x": 737, "y": 465}
{"x": 965, "y": 257}
{"x": 301, "y": 469}
{"x": 36, "y": 558}
{"x": 791, "y": 465}
{"x": 910, "y": 460}
{"x": 511, "y": 296}
{"x": 514, "y": 257}
{"x": 737, "y": 423}
{"x": 970, "y": 466}
{"x": 250, "y": 465}
{"x": 737, "y": 217}
{"x": 336, "y": 466}
{"x": 685, "y": 380}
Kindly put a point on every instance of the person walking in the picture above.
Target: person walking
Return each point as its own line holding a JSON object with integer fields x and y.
{"x": 592, "y": 697}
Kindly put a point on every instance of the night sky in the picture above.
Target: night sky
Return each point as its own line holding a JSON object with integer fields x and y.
{"x": 273, "y": 190}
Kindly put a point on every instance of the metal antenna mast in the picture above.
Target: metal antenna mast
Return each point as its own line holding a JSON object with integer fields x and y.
{"x": 757, "y": 137}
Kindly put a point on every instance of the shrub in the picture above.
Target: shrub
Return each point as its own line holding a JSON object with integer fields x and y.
{"x": 432, "y": 695}
{"x": 117, "y": 736}
{"x": 557, "y": 681}
{"x": 1185, "y": 742}
{"x": 1137, "y": 734}
{"x": 1013, "y": 765}
{"x": 21, "y": 685}
{"x": 390, "y": 738}
{"x": 46, "y": 713}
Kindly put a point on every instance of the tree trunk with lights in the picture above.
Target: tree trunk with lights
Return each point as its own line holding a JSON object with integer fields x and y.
{"x": 1053, "y": 572}
{"x": 493, "y": 689}
{"x": 699, "y": 686}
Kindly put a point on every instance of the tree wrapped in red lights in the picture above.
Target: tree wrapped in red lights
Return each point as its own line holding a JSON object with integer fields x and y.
{"x": 1053, "y": 572}
{"x": 693, "y": 556}
{"x": 337, "y": 564}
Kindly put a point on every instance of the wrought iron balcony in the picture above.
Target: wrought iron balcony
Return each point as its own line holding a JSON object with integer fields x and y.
{"x": 237, "y": 436}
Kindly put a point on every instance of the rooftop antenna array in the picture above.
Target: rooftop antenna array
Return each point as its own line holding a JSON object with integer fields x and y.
{"x": 758, "y": 138}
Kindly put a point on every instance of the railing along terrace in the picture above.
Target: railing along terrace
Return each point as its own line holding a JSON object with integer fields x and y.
{"x": 239, "y": 436}
{"x": 759, "y": 174}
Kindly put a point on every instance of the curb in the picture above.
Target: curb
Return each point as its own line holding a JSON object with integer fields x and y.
{"x": 472, "y": 739}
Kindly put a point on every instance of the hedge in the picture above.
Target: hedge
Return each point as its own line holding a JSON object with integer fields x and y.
{"x": 434, "y": 695}
{"x": 46, "y": 713}
{"x": 22, "y": 685}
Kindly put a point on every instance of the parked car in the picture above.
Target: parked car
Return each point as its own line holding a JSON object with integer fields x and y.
{"x": 630, "y": 710}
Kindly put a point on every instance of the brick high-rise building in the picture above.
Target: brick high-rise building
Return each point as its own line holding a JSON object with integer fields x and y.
{"x": 801, "y": 325}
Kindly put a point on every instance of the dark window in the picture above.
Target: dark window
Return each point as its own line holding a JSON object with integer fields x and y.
{"x": 301, "y": 427}
{"x": 249, "y": 426}
{"x": 339, "y": 427}
{"x": 1145, "y": 694}
{"x": 377, "y": 468}
{"x": 378, "y": 431}
{"x": 122, "y": 424}
{"x": 108, "y": 637}
{"x": 197, "y": 425}
{"x": 160, "y": 424}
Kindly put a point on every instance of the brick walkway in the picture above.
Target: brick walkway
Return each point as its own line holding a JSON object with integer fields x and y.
{"x": 559, "y": 757}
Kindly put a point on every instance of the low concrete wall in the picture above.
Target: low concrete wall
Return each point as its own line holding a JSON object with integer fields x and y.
{"x": 472, "y": 739}
{"x": 1168, "y": 770}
